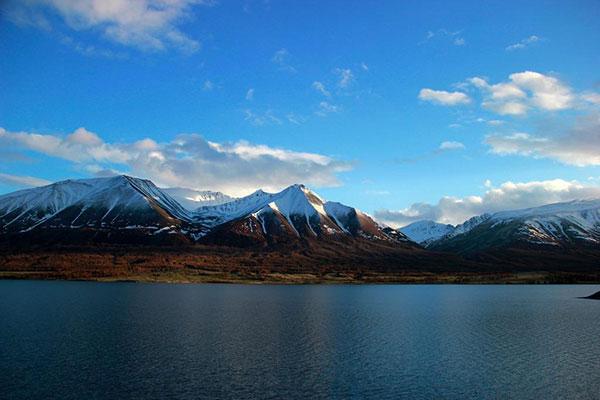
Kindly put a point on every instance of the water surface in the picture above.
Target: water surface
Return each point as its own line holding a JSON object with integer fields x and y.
{"x": 75, "y": 340}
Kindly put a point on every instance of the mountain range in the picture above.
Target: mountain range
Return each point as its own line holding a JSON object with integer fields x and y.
{"x": 558, "y": 225}
{"x": 123, "y": 208}
{"x": 284, "y": 230}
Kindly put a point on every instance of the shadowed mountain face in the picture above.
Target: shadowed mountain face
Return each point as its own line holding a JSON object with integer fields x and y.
{"x": 566, "y": 235}
{"x": 559, "y": 226}
{"x": 122, "y": 208}
{"x": 294, "y": 213}
{"x": 295, "y": 224}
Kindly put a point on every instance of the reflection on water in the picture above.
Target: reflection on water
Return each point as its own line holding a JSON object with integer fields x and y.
{"x": 89, "y": 340}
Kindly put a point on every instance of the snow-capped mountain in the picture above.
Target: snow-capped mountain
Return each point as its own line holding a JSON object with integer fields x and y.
{"x": 193, "y": 199}
{"x": 559, "y": 225}
{"x": 124, "y": 203}
{"x": 119, "y": 202}
{"x": 295, "y": 212}
{"x": 425, "y": 232}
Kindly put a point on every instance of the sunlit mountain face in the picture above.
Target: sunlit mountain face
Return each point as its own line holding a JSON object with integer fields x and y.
{"x": 126, "y": 204}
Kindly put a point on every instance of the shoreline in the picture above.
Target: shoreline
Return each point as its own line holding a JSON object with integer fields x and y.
{"x": 274, "y": 278}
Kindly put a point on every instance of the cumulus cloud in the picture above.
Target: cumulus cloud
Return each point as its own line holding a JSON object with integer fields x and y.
{"x": 188, "y": 160}
{"x": 144, "y": 24}
{"x": 524, "y": 91}
{"x": 443, "y": 97}
{"x": 81, "y": 145}
{"x": 22, "y": 181}
{"x": 547, "y": 92}
{"x": 508, "y": 196}
{"x": 579, "y": 145}
{"x": 523, "y": 43}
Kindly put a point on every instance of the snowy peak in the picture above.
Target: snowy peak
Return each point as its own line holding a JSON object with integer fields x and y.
{"x": 295, "y": 211}
{"x": 575, "y": 207}
{"x": 557, "y": 225}
{"x": 25, "y": 208}
{"x": 425, "y": 232}
{"x": 119, "y": 201}
{"x": 193, "y": 199}
{"x": 298, "y": 200}
{"x": 126, "y": 203}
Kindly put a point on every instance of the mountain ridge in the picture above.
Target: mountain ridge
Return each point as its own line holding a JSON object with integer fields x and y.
{"x": 127, "y": 203}
{"x": 102, "y": 225}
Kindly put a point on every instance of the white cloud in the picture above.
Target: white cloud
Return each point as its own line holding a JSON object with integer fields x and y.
{"x": 442, "y": 149}
{"x": 282, "y": 59}
{"x": 22, "y": 181}
{"x": 144, "y": 24}
{"x": 208, "y": 86}
{"x": 295, "y": 119}
{"x": 591, "y": 97}
{"x": 454, "y": 36}
{"x": 188, "y": 160}
{"x": 320, "y": 87}
{"x": 259, "y": 119}
{"x": 250, "y": 94}
{"x": 523, "y": 43}
{"x": 506, "y": 107}
{"x": 508, "y": 196}
{"x": 81, "y": 145}
{"x": 444, "y": 98}
{"x": 364, "y": 66}
{"x": 547, "y": 92}
{"x": 578, "y": 146}
{"x": 524, "y": 91}
{"x": 459, "y": 41}
{"x": 327, "y": 108}
{"x": 346, "y": 77}
{"x": 90, "y": 50}
{"x": 451, "y": 145}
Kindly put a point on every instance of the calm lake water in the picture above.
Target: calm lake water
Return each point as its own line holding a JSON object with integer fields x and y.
{"x": 82, "y": 340}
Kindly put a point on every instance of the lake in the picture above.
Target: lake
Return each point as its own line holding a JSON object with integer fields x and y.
{"x": 85, "y": 340}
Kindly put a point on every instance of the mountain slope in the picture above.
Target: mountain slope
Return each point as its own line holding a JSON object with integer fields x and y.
{"x": 292, "y": 214}
{"x": 102, "y": 204}
{"x": 559, "y": 226}
{"x": 193, "y": 199}
{"x": 426, "y": 232}
{"x": 122, "y": 207}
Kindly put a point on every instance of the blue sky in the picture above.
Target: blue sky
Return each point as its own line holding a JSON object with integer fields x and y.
{"x": 407, "y": 110}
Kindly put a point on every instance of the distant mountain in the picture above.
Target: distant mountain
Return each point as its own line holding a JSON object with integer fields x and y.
{"x": 558, "y": 227}
{"x": 192, "y": 199}
{"x": 426, "y": 232}
{"x": 121, "y": 208}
